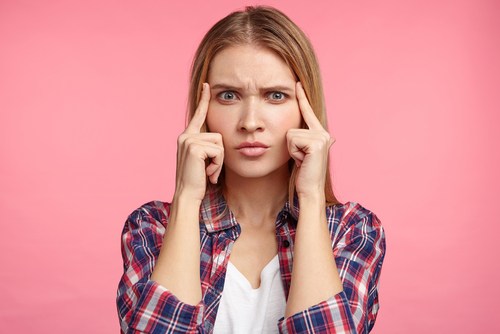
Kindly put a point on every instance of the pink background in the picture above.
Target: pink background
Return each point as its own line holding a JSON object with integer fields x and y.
{"x": 92, "y": 98}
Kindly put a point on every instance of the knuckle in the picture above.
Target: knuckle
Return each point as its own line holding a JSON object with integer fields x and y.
{"x": 189, "y": 149}
{"x": 188, "y": 141}
{"x": 325, "y": 136}
{"x": 219, "y": 153}
{"x": 181, "y": 139}
{"x": 192, "y": 149}
{"x": 214, "y": 136}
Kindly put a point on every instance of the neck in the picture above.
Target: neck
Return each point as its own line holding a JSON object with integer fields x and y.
{"x": 257, "y": 201}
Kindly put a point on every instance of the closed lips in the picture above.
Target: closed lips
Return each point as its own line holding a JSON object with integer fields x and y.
{"x": 250, "y": 145}
{"x": 252, "y": 150}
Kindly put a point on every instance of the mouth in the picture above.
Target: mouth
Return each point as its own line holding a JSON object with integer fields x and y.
{"x": 253, "y": 149}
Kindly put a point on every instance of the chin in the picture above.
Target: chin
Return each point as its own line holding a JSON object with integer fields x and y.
{"x": 254, "y": 171}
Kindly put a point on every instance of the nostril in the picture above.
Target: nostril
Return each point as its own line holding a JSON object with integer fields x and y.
{"x": 251, "y": 119}
{"x": 251, "y": 128}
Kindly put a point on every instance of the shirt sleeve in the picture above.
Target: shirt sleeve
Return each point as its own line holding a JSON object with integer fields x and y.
{"x": 143, "y": 305}
{"x": 359, "y": 250}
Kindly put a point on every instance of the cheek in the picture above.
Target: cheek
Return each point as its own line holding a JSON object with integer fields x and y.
{"x": 296, "y": 118}
{"x": 281, "y": 120}
{"x": 291, "y": 118}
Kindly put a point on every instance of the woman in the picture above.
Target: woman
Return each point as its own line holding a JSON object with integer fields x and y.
{"x": 254, "y": 151}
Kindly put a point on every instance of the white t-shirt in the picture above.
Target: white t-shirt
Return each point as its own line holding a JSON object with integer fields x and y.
{"x": 243, "y": 309}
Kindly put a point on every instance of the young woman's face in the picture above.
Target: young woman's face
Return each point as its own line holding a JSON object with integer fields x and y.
{"x": 252, "y": 105}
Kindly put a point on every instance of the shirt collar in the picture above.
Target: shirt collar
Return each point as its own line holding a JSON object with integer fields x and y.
{"x": 216, "y": 216}
{"x": 292, "y": 209}
{"x": 214, "y": 212}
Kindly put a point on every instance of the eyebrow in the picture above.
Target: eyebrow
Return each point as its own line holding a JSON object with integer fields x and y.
{"x": 223, "y": 86}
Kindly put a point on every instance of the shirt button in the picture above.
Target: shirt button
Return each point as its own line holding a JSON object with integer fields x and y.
{"x": 286, "y": 243}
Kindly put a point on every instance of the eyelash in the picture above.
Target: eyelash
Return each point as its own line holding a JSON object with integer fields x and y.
{"x": 220, "y": 95}
{"x": 283, "y": 95}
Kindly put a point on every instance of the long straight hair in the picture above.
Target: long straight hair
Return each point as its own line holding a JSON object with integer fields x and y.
{"x": 269, "y": 28}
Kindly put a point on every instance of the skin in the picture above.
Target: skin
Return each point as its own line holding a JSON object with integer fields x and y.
{"x": 253, "y": 97}
{"x": 253, "y": 100}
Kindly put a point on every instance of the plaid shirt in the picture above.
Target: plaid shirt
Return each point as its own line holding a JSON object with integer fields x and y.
{"x": 144, "y": 306}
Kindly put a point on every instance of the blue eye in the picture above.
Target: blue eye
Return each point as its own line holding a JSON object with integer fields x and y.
{"x": 228, "y": 95}
{"x": 277, "y": 96}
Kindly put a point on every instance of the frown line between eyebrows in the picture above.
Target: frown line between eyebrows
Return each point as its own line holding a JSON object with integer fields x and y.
{"x": 277, "y": 88}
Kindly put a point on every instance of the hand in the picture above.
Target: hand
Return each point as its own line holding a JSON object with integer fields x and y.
{"x": 194, "y": 149}
{"x": 309, "y": 148}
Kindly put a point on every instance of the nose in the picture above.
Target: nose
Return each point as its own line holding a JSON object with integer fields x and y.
{"x": 250, "y": 119}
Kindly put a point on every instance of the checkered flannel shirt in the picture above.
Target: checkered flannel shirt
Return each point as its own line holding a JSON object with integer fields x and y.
{"x": 144, "y": 306}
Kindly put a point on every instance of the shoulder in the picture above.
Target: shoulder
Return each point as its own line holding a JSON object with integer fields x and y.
{"x": 143, "y": 232}
{"x": 353, "y": 219}
{"x": 150, "y": 213}
{"x": 350, "y": 213}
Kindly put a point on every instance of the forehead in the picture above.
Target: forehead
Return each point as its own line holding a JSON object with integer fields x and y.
{"x": 249, "y": 64}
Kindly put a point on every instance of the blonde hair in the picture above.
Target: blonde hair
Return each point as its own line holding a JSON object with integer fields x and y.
{"x": 264, "y": 27}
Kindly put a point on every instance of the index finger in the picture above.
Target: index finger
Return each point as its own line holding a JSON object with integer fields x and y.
{"x": 306, "y": 110}
{"x": 200, "y": 113}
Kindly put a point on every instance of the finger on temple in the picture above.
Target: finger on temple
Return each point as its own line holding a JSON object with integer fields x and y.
{"x": 200, "y": 113}
{"x": 306, "y": 110}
